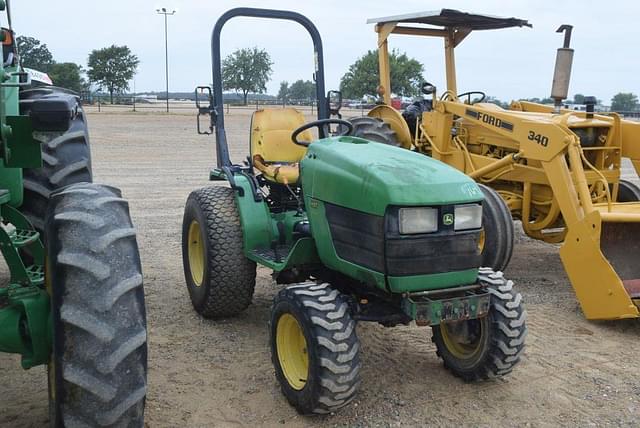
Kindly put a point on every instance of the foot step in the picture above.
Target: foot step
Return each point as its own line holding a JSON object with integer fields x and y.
{"x": 36, "y": 274}
{"x": 24, "y": 237}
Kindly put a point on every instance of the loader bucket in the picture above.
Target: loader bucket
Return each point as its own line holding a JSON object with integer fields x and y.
{"x": 601, "y": 260}
{"x": 620, "y": 244}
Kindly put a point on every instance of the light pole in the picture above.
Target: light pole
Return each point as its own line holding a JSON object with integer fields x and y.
{"x": 165, "y": 12}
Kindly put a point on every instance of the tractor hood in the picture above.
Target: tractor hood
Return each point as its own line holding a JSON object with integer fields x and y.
{"x": 366, "y": 176}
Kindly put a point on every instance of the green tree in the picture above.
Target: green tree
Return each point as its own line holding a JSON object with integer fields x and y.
{"x": 67, "y": 75}
{"x": 579, "y": 99}
{"x": 283, "y": 92}
{"x": 246, "y": 70}
{"x": 112, "y": 68}
{"x": 540, "y": 100}
{"x": 34, "y": 54}
{"x": 363, "y": 77}
{"x": 302, "y": 90}
{"x": 496, "y": 101}
{"x": 624, "y": 101}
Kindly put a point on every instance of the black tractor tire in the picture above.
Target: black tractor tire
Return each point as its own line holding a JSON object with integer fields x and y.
{"x": 66, "y": 159}
{"x": 498, "y": 235}
{"x": 373, "y": 129}
{"x": 221, "y": 283}
{"x": 628, "y": 192}
{"x": 98, "y": 368}
{"x": 501, "y": 334}
{"x": 330, "y": 347}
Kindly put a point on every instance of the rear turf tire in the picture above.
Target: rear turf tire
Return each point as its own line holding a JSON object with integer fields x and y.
{"x": 98, "y": 369}
{"x": 219, "y": 277}
{"x": 489, "y": 346}
{"x": 314, "y": 348}
{"x": 66, "y": 159}
{"x": 628, "y": 192}
{"x": 497, "y": 236}
{"x": 374, "y": 129}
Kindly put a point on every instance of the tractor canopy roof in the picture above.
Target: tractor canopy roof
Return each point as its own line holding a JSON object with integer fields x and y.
{"x": 450, "y": 18}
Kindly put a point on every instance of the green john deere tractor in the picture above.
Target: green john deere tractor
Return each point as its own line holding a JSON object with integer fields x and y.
{"x": 73, "y": 300}
{"x": 360, "y": 231}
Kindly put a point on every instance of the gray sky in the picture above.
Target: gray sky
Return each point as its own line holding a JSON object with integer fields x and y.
{"x": 508, "y": 64}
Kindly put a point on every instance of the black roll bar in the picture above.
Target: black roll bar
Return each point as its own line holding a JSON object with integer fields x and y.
{"x": 218, "y": 107}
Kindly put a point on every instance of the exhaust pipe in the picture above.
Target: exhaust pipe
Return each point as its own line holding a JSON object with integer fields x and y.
{"x": 562, "y": 71}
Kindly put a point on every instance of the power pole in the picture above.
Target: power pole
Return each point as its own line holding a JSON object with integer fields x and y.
{"x": 166, "y": 13}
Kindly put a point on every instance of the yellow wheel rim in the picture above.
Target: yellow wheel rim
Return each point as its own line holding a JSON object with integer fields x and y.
{"x": 462, "y": 339}
{"x": 291, "y": 347}
{"x": 195, "y": 250}
{"x": 481, "y": 240}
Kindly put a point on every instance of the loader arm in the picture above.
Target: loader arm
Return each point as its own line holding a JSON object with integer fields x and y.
{"x": 599, "y": 272}
{"x": 630, "y": 130}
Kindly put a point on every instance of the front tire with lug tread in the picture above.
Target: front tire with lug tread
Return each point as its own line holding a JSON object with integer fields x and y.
{"x": 489, "y": 346}
{"x": 314, "y": 348}
{"x": 98, "y": 369}
{"x": 219, "y": 277}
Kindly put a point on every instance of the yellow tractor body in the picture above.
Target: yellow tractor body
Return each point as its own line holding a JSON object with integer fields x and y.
{"x": 558, "y": 170}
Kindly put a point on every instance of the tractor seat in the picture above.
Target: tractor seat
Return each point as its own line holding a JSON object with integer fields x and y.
{"x": 272, "y": 151}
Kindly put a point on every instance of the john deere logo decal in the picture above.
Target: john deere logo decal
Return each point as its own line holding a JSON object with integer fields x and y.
{"x": 447, "y": 219}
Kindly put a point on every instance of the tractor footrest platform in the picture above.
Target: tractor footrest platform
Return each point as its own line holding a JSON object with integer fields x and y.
{"x": 24, "y": 237}
{"x": 277, "y": 254}
{"x": 425, "y": 311}
{"x": 36, "y": 274}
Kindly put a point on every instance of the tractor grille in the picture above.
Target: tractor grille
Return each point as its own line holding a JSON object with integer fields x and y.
{"x": 437, "y": 253}
{"x": 370, "y": 241}
{"x": 357, "y": 237}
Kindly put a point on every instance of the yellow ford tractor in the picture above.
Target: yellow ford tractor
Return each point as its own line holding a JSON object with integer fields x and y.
{"x": 557, "y": 170}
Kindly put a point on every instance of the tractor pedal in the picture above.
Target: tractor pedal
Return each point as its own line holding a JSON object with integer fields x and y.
{"x": 24, "y": 237}
{"x": 36, "y": 274}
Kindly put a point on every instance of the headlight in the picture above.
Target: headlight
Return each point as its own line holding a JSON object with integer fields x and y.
{"x": 468, "y": 217}
{"x": 418, "y": 220}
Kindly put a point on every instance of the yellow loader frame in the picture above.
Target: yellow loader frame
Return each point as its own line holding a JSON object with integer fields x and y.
{"x": 562, "y": 190}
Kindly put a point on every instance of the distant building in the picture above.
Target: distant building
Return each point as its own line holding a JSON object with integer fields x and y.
{"x": 146, "y": 97}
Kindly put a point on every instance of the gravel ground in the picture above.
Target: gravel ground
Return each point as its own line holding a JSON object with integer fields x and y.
{"x": 204, "y": 373}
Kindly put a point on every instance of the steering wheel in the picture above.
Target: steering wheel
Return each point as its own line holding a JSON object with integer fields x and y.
{"x": 483, "y": 96}
{"x": 324, "y": 125}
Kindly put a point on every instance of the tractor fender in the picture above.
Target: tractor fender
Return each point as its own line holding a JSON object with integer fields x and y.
{"x": 254, "y": 217}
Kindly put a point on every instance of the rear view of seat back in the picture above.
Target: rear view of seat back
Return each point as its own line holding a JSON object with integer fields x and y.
{"x": 271, "y": 131}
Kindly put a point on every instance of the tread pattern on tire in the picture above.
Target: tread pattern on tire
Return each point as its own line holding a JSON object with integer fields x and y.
{"x": 499, "y": 247}
{"x": 336, "y": 346}
{"x": 100, "y": 336}
{"x": 231, "y": 276}
{"x": 507, "y": 330}
{"x": 66, "y": 159}
{"x": 373, "y": 129}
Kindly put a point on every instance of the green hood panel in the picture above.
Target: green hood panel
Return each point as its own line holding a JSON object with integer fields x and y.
{"x": 367, "y": 176}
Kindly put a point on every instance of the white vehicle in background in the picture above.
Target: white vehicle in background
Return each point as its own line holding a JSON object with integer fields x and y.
{"x": 38, "y": 76}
